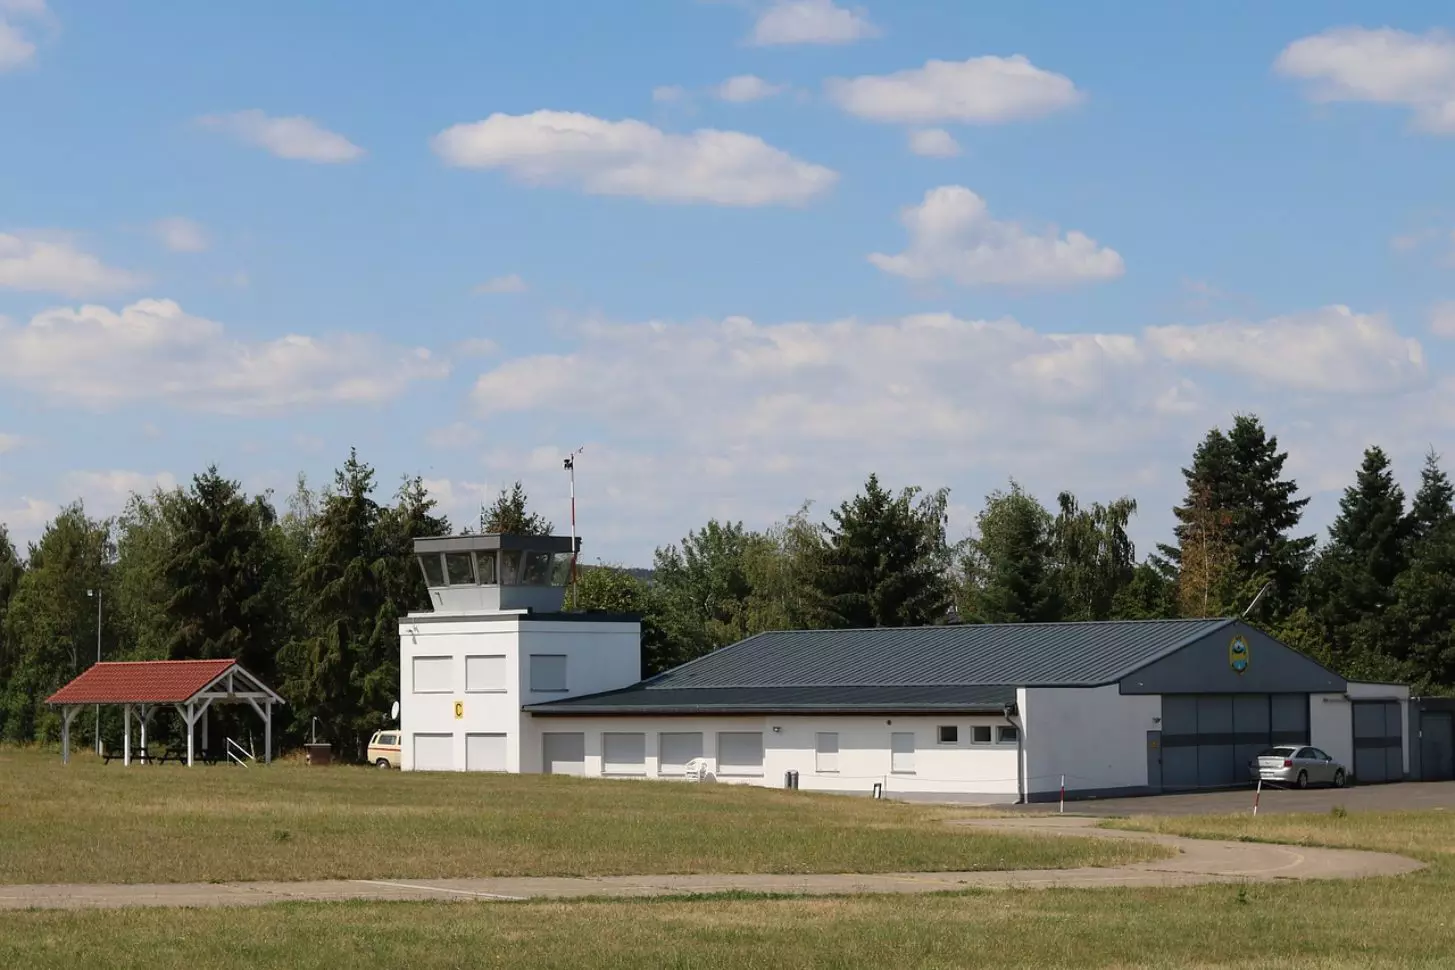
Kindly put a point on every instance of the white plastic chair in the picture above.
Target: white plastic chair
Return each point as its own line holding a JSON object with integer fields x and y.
{"x": 696, "y": 769}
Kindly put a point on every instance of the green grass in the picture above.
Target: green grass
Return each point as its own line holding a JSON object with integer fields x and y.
{"x": 1403, "y": 922}
{"x": 88, "y": 822}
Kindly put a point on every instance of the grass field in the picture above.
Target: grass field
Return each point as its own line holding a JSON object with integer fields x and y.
{"x": 89, "y": 822}
{"x": 1402, "y": 922}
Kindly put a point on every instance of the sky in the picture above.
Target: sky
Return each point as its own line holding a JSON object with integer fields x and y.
{"x": 741, "y": 252}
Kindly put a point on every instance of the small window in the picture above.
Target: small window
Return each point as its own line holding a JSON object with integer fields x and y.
{"x": 434, "y": 570}
{"x": 740, "y": 753}
{"x": 826, "y": 753}
{"x": 623, "y": 754}
{"x": 485, "y": 561}
{"x": 901, "y": 753}
{"x": 980, "y": 734}
{"x": 547, "y": 672}
{"x": 537, "y": 569}
{"x": 433, "y": 675}
{"x": 460, "y": 567}
{"x": 675, "y": 749}
{"x": 949, "y": 734}
{"x": 560, "y": 569}
{"x": 509, "y": 567}
{"x": 1007, "y": 734}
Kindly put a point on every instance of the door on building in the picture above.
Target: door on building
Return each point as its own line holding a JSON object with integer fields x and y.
{"x": 563, "y": 753}
{"x": 1378, "y": 742}
{"x": 1208, "y": 739}
{"x": 1154, "y": 761}
{"x": 1437, "y": 746}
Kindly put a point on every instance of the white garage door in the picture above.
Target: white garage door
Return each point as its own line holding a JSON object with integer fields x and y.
{"x": 484, "y": 752}
{"x": 434, "y": 752}
{"x": 740, "y": 753}
{"x": 563, "y": 753}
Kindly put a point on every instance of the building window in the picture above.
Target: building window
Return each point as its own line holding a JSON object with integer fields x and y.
{"x": 1007, "y": 734}
{"x": 484, "y": 674}
{"x": 980, "y": 734}
{"x": 901, "y": 753}
{"x": 675, "y": 749}
{"x": 547, "y": 672}
{"x": 623, "y": 754}
{"x": 460, "y": 568}
{"x": 432, "y": 675}
{"x": 740, "y": 753}
{"x": 826, "y": 753}
{"x": 434, "y": 570}
{"x": 485, "y": 752}
{"x": 485, "y": 561}
{"x": 537, "y": 569}
{"x": 949, "y": 734}
{"x": 434, "y": 752}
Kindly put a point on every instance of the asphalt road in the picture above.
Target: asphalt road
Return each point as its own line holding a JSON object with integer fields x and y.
{"x": 1366, "y": 798}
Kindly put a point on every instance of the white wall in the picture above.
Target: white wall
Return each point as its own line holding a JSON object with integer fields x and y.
{"x": 864, "y": 755}
{"x": 600, "y": 656}
{"x": 1095, "y": 736}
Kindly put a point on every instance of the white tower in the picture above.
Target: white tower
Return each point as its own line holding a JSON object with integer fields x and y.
{"x": 498, "y": 640}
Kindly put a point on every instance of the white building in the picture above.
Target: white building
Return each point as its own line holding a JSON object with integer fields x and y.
{"x": 497, "y": 678}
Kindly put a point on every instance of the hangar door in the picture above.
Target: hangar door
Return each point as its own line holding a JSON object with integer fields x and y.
{"x": 1208, "y": 739}
{"x": 1378, "y": 741}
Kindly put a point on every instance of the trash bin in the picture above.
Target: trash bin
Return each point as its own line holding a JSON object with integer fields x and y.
{"x": 790, "y": 779}
{"x": 318, "y": 754}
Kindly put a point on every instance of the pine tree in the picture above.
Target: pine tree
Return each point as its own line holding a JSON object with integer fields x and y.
{"x": 885, "y": 559}
{"x": 1434, "y": 503}
{"x": 1237, "y": 497}
{"x": 1010, "y": 575}
{"x": 510, "y": 515}
{"x": 1421, "y": 622}
{"x": 1352, "y": 582}
{"x": 220, "y": 569}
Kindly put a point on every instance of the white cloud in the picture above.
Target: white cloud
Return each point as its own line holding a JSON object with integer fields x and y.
{"x": 811, "y": 22}
{"x": 454, "y": 436}
{"x": 669, "y": 94}
{"x": 9, "y": 442}
{"x": 632, "y": 158}
{"x": 511, "y": 283}
{"x": 153, "y": 350}
{"x": 26, "y": 519}
{"x": 933, "y": 143}
{"x": 107, "y": 492}
{"x": 1442, "y": 319}
{"x": 47, "y": 265}
{"x": 981, "y": 90}
{"x": 760, "y": 416}
{"x": 16, "y": 50}
{"x": 476, "y": 347}
{"x": 953, "y": 236}
{"x": 296, "y": 137}
{"x": 181, "y": 235}
{"x": 1380, "y": 66}
{"x": 1332, "y": 349}
{"x": 747, "y": 87}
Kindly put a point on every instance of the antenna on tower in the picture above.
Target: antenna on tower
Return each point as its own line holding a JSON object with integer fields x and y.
{"x": 570, "y": 465}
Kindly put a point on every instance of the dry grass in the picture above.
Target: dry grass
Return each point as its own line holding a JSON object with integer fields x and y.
{"x": 89, "y": 822}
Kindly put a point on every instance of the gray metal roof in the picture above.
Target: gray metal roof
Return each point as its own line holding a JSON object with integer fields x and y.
{"x": 643, "y": 699}
{"x": 917, "y": 668}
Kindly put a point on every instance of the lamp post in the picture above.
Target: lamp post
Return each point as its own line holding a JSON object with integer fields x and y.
{"x": 96, "y": 594}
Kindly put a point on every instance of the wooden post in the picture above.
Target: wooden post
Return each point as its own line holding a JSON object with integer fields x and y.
{"x": 206, "y": 745}
{"x": 126, "y": 734}
{"x": 66, "y": 714}
{"x": 268, "y": 733}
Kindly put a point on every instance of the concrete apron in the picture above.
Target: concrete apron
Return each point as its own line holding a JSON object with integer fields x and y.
{"x": 1196, "y": 862}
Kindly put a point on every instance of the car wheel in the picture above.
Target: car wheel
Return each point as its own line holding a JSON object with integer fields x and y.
{"x": 1302, "y": 779}
{"x": 1339, "y": 778}
{"x": 384, "y": 763}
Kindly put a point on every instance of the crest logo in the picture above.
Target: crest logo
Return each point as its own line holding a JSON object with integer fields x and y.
{"x": 1238, "y": 654}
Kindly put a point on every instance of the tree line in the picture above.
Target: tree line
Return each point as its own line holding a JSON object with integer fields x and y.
{"x": 308, "y": 596}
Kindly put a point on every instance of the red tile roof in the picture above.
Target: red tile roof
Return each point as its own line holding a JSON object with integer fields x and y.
{"x": 141, "y": 682}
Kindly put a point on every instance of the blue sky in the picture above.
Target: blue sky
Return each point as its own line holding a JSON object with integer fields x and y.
{"x": 744, "y": 252}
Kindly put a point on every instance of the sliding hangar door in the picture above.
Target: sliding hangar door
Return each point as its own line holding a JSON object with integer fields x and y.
{"x": 1225, "y": 697}
{"x": 1208, "y": 739}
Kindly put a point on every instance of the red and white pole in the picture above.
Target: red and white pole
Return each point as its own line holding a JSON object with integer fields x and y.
{"x": 1257, "y": 793}
{"x": 1063, "y": 794}
{"x": 570, "y": 464}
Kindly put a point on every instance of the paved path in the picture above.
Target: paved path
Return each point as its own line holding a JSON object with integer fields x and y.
{"x": 1197, "y": 861}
